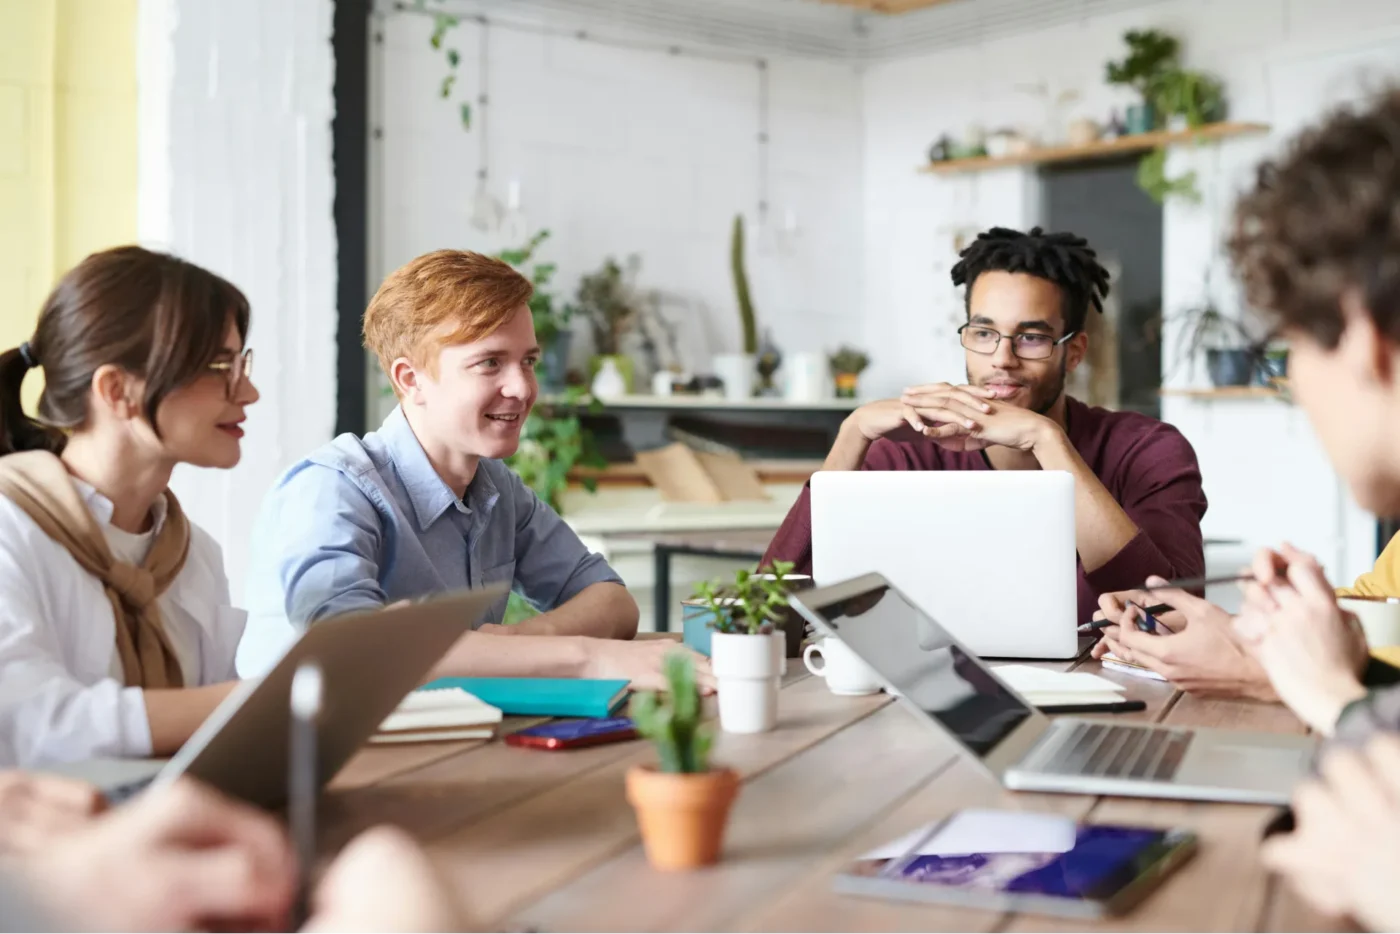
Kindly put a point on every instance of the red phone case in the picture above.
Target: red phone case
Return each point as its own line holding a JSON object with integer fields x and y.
{"x": 578, "y": 742}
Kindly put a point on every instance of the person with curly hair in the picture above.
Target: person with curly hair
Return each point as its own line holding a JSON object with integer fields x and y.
{"x": 1138, "y": 498}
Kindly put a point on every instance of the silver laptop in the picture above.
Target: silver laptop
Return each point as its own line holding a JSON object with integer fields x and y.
{"x": 368, "y": 661}
{"x": 991, "y": 552}
{"x": 950, "y": 688}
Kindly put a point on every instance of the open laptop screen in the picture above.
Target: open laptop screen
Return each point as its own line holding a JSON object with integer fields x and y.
{"x": 918, "y": 657}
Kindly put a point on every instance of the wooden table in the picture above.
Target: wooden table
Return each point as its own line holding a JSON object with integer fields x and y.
{"x": 547, "y": 841}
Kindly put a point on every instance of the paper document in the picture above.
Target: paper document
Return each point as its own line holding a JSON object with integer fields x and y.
{"x": 986, "y": 831}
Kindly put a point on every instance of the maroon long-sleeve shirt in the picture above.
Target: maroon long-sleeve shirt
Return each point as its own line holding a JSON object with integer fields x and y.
{"x": 1147, "y": 465}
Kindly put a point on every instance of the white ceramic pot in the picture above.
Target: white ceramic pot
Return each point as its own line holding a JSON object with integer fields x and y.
{"x": 808, "y": 377}
{"x": 737, "y": 372}
{"x": 748, "y": 670}
{"x": 609, "y": 382}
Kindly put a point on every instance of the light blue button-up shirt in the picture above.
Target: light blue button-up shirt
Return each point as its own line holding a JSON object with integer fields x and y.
{"x": 365, "y": 522}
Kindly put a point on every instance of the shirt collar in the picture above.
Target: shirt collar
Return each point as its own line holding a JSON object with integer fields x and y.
{"x": 428, "y": 493}
{"x": 101, "y": 507}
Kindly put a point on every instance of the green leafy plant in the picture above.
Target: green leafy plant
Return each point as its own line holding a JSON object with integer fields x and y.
{"x": 549, "y": 319}
{"x": 552, "y": 442}
{"x": 673, "y": 721}
{"x": 1152, "y": 179}
{"x": 1195, "y": 95}
{"x": 847, "y": 359}
{"x": 605, "y": 299}
{"x": 1150, "y": 53}
{"x": 741, "y": 286}
{"x": 755, "y": 604}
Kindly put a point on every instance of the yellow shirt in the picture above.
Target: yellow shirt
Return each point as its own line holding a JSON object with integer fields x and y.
{"x": 1383, "y": 580}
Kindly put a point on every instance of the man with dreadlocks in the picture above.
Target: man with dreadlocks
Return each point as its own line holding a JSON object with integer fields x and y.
{"x": 1138, "y": 499}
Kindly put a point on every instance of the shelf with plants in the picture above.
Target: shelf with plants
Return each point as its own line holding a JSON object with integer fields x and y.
{"x": 1100, "y": 149}
{"x": 1174, "y": 105}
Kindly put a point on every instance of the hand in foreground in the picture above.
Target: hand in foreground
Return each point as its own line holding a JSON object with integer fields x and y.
{"x": 180, "y": 858}
{"x": 1342, "y": 858}
{"x": 951, "y": 423}
{"x": 640, "y": 662}
{"x": 1200, "y": 655}
{"x": 35, "y": 808}
{"x": 383, "y": 881}
{"x": 1312, "y": 651}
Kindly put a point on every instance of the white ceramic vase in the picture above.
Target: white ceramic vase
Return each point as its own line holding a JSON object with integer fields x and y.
{"x": 749, "y": 671}
{"x": 609, "y": 383}
{"x": 737, "y": 372}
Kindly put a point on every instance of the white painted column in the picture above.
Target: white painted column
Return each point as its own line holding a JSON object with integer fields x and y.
{"x": 235, "y": 174}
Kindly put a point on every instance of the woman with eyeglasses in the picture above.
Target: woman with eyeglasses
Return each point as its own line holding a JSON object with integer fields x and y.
{"x": 117, "y": 637}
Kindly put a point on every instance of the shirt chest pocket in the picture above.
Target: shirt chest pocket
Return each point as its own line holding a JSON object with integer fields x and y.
{"x": 503, "y": 574}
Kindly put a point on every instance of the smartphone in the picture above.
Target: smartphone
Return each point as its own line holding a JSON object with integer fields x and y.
{"x": 575, "y": 734}
{"x": 1022, "y": 861}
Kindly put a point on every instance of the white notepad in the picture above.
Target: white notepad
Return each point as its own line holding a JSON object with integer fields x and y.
{"x": 1044, "y": 687}
{"x": 444, "y": 714}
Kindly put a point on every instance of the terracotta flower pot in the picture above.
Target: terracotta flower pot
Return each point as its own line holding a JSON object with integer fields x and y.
{"x": 682, "y": 817}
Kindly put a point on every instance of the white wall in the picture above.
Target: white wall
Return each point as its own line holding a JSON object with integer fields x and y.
{"x": 1283, "y": 62}
{"x": 624, "y": 151}
{"x": 236, "y": 175}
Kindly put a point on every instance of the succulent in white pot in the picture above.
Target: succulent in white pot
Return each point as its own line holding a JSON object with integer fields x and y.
{"x": 747, "y": 646}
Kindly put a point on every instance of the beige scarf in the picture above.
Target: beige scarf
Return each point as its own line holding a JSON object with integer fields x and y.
{"x": 38, "y": 483}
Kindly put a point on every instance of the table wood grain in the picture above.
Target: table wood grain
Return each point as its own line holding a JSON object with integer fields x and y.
{"x": 547, "y": 841}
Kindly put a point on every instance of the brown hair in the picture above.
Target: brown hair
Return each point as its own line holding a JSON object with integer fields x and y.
{"x": 1325, "y": 218}
{"x": 440, "y": 298}
{"x": 153, "y": 315}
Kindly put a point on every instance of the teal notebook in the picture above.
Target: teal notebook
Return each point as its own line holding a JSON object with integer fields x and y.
{"x": 542, "y": 697}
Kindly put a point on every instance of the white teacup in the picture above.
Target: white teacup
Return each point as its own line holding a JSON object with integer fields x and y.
{"x": 843, "y": 671}
{"x": 1379, "y": 616}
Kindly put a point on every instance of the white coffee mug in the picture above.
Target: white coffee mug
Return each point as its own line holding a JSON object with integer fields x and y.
{"x": 843, "y": 671}
{"x": 1379, "y": 616}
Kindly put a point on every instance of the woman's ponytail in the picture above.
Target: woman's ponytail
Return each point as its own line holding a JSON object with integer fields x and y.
{"x": 19, "y": 432}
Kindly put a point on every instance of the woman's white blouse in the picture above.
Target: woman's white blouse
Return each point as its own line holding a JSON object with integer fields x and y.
{"x": 62, "y": 697}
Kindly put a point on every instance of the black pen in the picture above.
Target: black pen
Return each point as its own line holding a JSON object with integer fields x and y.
{"x": 1131, "y": 706}
{"x": 1101, "y": 623}
{"x": 301, "y": 782}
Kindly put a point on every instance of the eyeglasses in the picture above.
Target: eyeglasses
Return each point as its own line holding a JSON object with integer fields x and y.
{"x": 236, "y": 370}
{"x": 1027, "y": 345}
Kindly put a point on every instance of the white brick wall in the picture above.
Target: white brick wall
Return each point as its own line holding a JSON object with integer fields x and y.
{"x": 1283, "y": 61}
{"x": 622, "y": 151}
{"x": 236, "y": 174}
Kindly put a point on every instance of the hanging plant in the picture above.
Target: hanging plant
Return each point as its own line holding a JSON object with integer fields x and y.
{"x": 443, "y": 24}
{"x": 1152, "y": 178}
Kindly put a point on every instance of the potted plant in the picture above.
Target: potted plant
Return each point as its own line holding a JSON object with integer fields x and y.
{"x": 605, "y": 298}
{"x": 846, "y": 366}
{"x": 737, "y": 370}
{"x": 682, "y": 804}
{"x": 1232, "y": 356}
{"x": 747, "y": 649}
{"x": 1187, "y": 98}
{"x": 551, "y": 323}
{"x": 1150, "y": 54}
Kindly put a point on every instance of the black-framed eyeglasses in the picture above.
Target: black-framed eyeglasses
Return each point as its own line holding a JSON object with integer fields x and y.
{"x": 236, "y": 371}
{"x": 1027, "y": 345}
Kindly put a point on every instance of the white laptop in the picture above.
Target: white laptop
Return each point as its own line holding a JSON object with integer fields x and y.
{"x": 989, "y": 552}
{"x": 369, "y": 661}
{"x": 955, "y": 693}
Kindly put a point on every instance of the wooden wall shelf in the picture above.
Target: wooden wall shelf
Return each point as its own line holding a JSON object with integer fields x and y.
{"x": 1228, "y": 392}
{"x": 1103, "y": 149}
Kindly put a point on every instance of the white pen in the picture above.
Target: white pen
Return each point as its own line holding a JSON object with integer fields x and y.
{"x": 301, "y": 781}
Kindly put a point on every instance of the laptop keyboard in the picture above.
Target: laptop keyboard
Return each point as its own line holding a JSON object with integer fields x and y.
{"x": 1148, "y": 753}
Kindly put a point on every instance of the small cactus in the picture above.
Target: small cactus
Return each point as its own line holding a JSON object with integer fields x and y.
{"x": 673, "y": 721}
